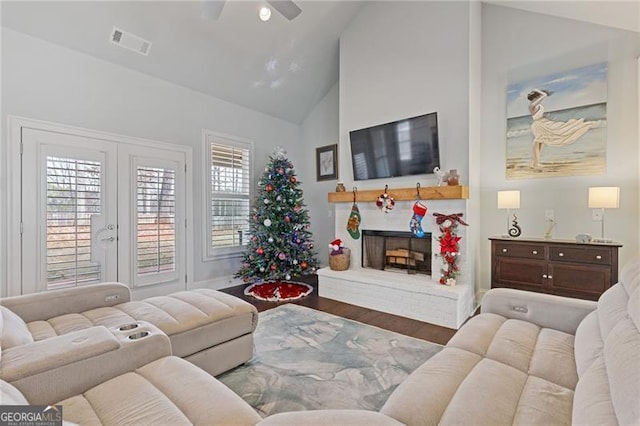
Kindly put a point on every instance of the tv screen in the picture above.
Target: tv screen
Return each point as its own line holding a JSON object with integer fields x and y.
{"x": 401, "y": 148}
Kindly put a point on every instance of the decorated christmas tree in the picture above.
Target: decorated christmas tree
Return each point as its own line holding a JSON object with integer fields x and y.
{"x": 281, "y": 244}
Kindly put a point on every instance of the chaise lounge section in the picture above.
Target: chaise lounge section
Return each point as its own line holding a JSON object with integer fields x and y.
{"x": 209, "y": 328}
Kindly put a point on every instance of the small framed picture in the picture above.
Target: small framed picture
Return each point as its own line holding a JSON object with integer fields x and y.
{"x": 327, "y": 162}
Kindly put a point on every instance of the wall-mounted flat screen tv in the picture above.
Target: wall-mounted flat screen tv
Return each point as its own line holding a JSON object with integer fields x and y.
{"x": 400, "y": 148}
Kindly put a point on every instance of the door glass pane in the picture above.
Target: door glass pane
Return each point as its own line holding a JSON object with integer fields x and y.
{"x": 73, "y": 196}
{"x": 156, "y": 220}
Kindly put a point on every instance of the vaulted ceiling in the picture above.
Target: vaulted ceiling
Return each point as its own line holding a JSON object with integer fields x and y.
{"x": 280, "y": 67}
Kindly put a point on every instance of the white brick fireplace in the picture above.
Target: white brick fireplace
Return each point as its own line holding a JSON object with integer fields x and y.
{"x": 420, "y": 296}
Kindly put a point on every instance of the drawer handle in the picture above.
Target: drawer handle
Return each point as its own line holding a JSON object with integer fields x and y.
{"x": 504, "y": 250}
{"x": 535, "y": 252}
{"x": 549, "y": 277}
{"x": 598, "y": 257}
{"x": 544, "y": 276}
{"x": 561, "y": 254}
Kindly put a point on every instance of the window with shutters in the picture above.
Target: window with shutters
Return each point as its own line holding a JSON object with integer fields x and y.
{"x": 156, "y": 220}
{"x": 228, "y": 194}
{"x": 73, "y": 197}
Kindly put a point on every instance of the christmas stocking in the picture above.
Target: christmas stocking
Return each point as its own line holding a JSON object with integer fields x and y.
{"x": 353, "y": 224}
{"x": 415, "y": 224}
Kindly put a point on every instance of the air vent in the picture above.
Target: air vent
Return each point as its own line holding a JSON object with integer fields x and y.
{"x": 130, "y": 41}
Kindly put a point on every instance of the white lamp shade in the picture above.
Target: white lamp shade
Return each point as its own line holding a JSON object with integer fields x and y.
{"x": 604, "y": 197}
{"x": 508, "y": 199}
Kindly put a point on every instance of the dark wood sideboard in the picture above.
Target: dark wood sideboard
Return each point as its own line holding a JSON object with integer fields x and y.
{"x": 561, "y": 267}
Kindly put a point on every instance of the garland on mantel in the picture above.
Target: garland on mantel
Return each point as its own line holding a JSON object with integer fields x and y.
{"x": 449, "y": 240}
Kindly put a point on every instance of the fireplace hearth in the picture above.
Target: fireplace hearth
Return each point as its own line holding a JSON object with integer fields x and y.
{"x": 396, "y": 251}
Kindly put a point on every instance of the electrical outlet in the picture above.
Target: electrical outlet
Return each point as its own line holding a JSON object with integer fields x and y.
{"x": 548, "y": 215}
{"x": 596, "y": 215}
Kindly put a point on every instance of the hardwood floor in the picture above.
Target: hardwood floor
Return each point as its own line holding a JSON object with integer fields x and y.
{"x": 406, "y": 326}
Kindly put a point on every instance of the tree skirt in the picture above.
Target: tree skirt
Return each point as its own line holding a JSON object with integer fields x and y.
{"x": 278, "y": 291}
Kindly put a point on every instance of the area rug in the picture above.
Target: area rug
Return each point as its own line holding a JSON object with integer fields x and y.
{"x": 309, "y": 360}
{"x": 278, "y": 291}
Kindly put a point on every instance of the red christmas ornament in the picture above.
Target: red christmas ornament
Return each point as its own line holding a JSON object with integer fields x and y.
{"x": 287, "y": 219}
{"x": 260, "y": 251}
{"x": 269, "y": 187}
{"x": 292, "y": 179}
{"x": 281, "y": 171}
{"x": 304, "y": 264}
{"x": 273, "y": 267}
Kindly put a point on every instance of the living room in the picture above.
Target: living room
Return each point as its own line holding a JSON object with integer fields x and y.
{"x": 456, "y": 58}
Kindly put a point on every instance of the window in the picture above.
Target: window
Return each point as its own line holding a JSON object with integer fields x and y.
{"x": 73, "y": 196}
{"x": 156, "y": 220}
{"x": 228, "y": 194}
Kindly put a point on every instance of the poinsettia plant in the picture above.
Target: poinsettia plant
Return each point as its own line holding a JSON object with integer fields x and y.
{"x": 449, "y": 246}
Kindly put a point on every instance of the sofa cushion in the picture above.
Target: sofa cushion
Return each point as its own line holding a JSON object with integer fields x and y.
{"x": 167, "y": 391}
{"x": 14, "y": 330}
{"x": 588, "y": 343}
{"x": 9, "y": 395}
{"x": 592, "y": 401}
{"x": 194, "y": 320}
{"x": 630, "y": 275}
{"x": 541, "y": 352}
{"x": 612, "y": 307}
{"x": 622, "y": 360}
{"x": 459, "y": 387}
{"x": 422, "y": 398}
{"x": 609, "y": 357}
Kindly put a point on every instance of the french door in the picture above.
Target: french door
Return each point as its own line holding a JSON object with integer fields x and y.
{"x": 96, "y": 210}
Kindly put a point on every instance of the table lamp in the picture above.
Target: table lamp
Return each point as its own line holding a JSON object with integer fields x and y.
{"x": 604, "y": 197}
{"x": 510, "y": 200}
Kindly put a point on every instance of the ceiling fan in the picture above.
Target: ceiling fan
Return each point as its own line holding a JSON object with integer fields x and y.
{"x": 287, "y": 8}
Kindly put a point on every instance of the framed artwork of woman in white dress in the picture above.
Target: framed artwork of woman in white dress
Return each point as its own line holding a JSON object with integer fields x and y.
{"x": 557, "y": 124}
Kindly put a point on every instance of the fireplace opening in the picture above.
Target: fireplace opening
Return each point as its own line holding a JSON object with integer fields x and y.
{"x": 396, "y": 251}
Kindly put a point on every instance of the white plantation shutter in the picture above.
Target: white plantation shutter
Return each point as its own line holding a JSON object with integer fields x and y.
{"x": 155, "y": 220}
{"x": 73, "y": 196}
{"x": 229, "y": 165}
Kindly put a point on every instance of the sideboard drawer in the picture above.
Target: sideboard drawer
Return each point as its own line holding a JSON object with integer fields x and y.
{"x": 527, "y": 251}
{"x": 591, "y": 255}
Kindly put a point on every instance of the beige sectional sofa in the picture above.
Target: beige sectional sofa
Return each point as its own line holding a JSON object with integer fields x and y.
{"x": 528, "y": 358}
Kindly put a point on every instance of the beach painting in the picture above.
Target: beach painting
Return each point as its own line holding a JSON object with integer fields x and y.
{"x": 557, "y": 124}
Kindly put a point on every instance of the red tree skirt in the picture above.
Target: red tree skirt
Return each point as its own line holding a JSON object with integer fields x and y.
{"x": 278, "y": 291}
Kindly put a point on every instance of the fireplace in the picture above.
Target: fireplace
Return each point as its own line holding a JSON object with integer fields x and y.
{"x": 396, "y": 251}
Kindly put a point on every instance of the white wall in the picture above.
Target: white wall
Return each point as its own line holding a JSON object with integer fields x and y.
{"x": 320, "y": 128}
{"x": 402, "y": 59}
{"x": 518, "y": 45}
{"x": 44, "y": 81}
{"x": 475, "y": 139}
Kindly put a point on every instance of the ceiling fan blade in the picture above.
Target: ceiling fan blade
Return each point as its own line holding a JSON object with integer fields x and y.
{"x": 287, "y": 8}
{"x": 211, "y": 9}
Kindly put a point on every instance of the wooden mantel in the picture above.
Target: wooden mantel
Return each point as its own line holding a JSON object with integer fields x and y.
{"x": 457, "y": 192}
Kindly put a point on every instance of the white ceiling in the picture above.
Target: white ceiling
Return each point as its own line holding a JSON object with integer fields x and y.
{"x": 282, "y": 68}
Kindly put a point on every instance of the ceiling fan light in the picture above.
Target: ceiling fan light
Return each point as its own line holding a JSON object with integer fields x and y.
{"x": 264, "y": 14}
